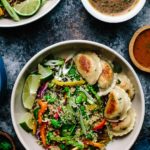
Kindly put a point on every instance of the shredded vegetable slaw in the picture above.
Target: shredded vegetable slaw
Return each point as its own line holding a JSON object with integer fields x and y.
{"x": 67, "y": 113}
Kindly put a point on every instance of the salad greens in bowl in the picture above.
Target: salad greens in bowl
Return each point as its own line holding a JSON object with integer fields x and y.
{"x": 20, "y": 12}
{"x": 77, "y": 95}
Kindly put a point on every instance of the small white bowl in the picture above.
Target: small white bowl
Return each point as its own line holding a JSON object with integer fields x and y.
{"x": 46, "y": 8}
{"x": 113, "y": 19}
{"x": 17, "y": 109}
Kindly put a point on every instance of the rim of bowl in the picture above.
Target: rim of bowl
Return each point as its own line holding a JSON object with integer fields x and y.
{"x": 31, "y": 19}
{"x": 113, "y": 19}
{"x": 73, "y": 42}
{"x": 131, "y": 47}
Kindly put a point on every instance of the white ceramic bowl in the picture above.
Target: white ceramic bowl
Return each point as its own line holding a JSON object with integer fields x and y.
{"x": 17, "y": 109}
{"x": 113, "y": 19}
{"x": 46, "y": 8}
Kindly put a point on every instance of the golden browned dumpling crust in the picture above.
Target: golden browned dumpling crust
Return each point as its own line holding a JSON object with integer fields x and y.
{"x": 89, "y": 66}
{"x": 106, "y": 77}
{"x": 113, "y": 107}
{"x": 118, "y": 105}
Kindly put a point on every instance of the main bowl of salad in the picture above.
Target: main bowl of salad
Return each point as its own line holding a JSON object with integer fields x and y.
{"x": 77, "y": 95}
{"x": 14, "y": 13}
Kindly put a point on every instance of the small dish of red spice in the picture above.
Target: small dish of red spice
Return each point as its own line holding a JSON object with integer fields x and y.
{"x": 139, "y": 48}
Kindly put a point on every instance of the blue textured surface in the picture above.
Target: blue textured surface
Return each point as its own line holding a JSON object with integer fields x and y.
{"x": 69, "y": 20}
{"x": 3, "y": 80}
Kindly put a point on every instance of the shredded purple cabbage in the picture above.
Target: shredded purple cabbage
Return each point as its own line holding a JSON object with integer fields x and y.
{"x": 38, "y": 134}
{"x": 42, "y": 90}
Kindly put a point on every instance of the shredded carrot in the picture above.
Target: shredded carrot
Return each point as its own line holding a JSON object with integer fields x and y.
{"x": 43, "y": 106}
{"x": 34, "y": 127}
{"x": 43, "y": 133}
{"x": 68, "y": 83}
{"x": 98, "y": 145}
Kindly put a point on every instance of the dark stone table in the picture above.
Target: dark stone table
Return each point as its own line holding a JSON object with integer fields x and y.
{"x": 69, "y": 20}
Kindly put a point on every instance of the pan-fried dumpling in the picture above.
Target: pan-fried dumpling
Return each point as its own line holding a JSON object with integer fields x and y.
{"x": 107, "y": 75}
{"x": 107, "y": 79}
{"x": 117, "y": 105}
{"x": 125, "y": 126}
{"x": 124, "y": 82}
{"x": 103, "y": 92}
{"x": 89, "y": 66}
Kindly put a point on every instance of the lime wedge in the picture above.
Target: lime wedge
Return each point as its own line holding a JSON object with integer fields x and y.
{"x": 27, "y": 122}
{"x": 30, "y": 89}
{"x": 45, "y": 72}
{"x": 27, "y": 7}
